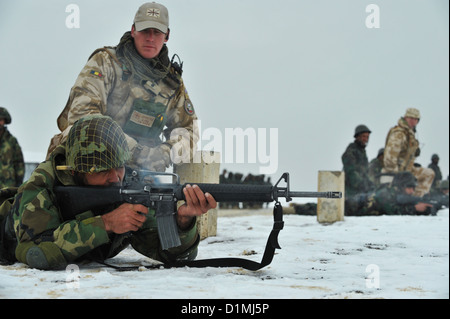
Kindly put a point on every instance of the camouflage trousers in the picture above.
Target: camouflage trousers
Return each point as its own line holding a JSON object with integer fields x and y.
{"x": 425, "y": 177}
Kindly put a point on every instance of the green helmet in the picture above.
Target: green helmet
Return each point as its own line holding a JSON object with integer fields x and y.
{"x": 404, "y": 179}
{"x": 4, "y": 114}
{"x": 361, "y": 129}
{"x": 96, "y": 143}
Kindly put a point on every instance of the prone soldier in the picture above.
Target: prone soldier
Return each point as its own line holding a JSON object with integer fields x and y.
{"x": 33, "y": 232}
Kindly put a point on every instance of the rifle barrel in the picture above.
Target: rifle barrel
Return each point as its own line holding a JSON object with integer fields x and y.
{"x": 316, "y": 194}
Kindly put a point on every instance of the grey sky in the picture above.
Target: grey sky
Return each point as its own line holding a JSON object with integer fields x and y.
{"x": 311, "y": 69}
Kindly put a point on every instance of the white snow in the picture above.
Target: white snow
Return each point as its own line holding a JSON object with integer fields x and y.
{"x": 389, "y": 257}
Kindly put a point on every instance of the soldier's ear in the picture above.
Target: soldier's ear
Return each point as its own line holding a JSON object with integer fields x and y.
{"x": 167, "y": 35}
{"x": 133, "y": 30}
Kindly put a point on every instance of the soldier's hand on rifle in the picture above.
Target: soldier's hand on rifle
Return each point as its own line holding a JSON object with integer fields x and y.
{"x": 197, "y": 204}
{"x": 125, "y": 218}
{"x": 422, "y": 207}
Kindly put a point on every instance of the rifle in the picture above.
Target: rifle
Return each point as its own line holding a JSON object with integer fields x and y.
{"x": 144, "y": 187}
{"x": 404, "y": 199}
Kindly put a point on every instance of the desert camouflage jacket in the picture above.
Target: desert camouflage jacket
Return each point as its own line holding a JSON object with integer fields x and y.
{"x": 38, "y": 222}
{"x": 400, "y": 150}
{"x": 143, "y": 108}
{"x": 12, "y": 167}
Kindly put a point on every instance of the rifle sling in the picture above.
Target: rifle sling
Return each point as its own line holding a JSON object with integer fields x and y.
{"x": 272, "y": 244}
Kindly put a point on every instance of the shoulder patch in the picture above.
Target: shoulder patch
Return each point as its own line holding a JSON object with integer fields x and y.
{"x": 189, "y": 108}
{"x": 96, "y": 73}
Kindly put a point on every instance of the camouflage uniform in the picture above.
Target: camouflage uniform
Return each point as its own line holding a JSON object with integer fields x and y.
{"x": 145, "y": 102}
{"x": 437, "y": 171}
{"x": 375, "y": 167}
{"x": 400, "y": 153}
{"x": 35, "y": 222}
{"x": 385, "y": 200}
{"x": 12, "y": 166}
{"x": 356, "y": 168}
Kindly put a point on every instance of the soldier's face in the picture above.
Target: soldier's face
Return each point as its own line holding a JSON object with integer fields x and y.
{"x": 111, "y": 177}
{"x": 363, "y": 138}
{"x": 412, "y": 122}
{"x": 2, "y": 123}
{"x": 148, "y": 42}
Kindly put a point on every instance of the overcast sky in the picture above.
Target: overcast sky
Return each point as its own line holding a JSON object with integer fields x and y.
{"x": 310, "y": 70}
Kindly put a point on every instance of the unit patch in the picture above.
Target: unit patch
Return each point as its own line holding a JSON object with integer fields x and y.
{"x": 188, "y": 107}
{"x": 96, "y": 73}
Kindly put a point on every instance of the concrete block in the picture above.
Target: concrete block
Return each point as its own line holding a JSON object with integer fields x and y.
{"x": 331, "y": 210}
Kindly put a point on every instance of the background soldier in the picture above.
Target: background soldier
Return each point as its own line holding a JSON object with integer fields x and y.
{"x": 375, "y": 167}
{"x": 395, "y": 199}
{"x": 12, "y": 166}
{"x": 437, "y": 171}
{"x": 401, "y": 151}
{"x": 356, "y": 166}
{"x": 440, "y": 194}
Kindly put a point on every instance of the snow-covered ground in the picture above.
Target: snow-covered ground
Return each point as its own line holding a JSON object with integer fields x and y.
{"x": 361, "y": 257}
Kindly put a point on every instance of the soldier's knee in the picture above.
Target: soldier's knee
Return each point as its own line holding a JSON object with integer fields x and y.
{"x": 44, "y": 256}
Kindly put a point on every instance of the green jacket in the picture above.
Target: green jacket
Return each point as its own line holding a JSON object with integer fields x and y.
{"x": 12, "y": 166}
{"x": 37, "y": 223}
{"x": 356, "y": 168}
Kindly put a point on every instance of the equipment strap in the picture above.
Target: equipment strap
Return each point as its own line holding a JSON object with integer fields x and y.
{"x": 272, "y": 244}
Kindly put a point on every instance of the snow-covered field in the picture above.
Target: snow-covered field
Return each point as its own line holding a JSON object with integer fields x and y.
{"x": 361, "y": 257}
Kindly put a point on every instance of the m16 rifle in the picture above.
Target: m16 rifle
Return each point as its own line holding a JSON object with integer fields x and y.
{"x": 144, "y": 187}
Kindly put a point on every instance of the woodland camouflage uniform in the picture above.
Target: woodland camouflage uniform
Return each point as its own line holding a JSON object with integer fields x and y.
{"x": 385, "y": 199}
{"x": 12, "y": 166}
{"x": 375, "y": 167}
{"x": 36, "y": 225}
{"x": 356, "y": 166}
{"x": 400, "y": 153}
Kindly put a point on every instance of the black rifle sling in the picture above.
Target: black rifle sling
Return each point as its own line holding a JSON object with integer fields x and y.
{"x": 272, "y": 244}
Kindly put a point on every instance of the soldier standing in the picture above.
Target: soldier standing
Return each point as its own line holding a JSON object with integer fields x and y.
{"x": 12, "y": 166}
{"x": 437, "y": 170}
{"x": 137, "y": 85}
{"x": 401, "y": 150}
{"x": 356, "y": 164}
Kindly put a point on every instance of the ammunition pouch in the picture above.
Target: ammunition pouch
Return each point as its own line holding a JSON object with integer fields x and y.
{"x": 146, "y": 119}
